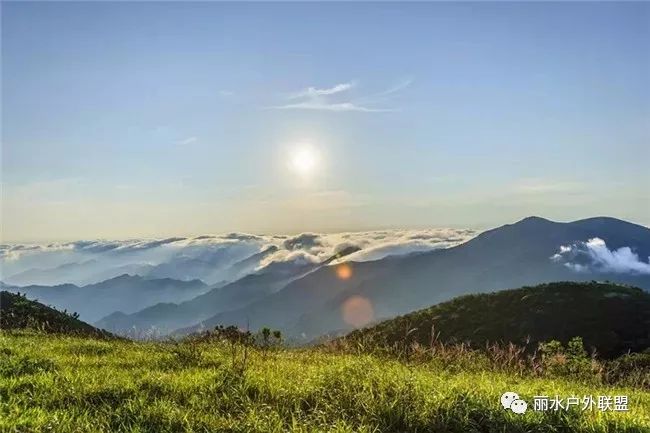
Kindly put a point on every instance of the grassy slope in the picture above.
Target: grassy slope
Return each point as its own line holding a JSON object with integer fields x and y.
{"x": 610, "y": 318}
{"x": 65, "y": 384}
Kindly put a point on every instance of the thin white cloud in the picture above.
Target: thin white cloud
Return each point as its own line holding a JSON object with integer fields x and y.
{"x": 188, "y": 140}
{"x": 329, "y": 99}
{"x": 324, "y": 106}
{"x": 397, "y": 87}
{"x": 313, "y": 92}
{"x": 390, "y": 91}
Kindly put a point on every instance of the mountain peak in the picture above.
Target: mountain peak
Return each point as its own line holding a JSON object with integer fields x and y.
{"x": 533, "y": 220}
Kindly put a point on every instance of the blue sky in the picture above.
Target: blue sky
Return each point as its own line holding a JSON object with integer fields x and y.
{"x": 153, "y": 119}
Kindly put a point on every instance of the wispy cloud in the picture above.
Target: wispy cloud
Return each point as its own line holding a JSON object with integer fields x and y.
{"x": 325, "y": 106}
{"x": 397, "y": 87}
{"x": 330, "y": 99}
{"x": 390, "y": 91}
{"x": 188, "y": 140}
{"x": 313, "y": 92}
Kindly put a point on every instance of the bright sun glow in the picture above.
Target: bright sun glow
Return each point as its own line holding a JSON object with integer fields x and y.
{"x": 304, "y": 161}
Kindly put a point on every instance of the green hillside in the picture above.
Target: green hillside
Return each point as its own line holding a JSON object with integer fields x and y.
{"x": 610, "y": 318}
{"x": 55, "y": 379}
{"x": 18, "y": 312}
{"x": 56, "y": 383}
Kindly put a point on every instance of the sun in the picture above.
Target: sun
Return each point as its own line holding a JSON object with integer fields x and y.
{"x": 304, "y": 160}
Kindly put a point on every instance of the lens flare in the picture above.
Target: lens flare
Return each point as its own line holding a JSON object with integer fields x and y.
{"x": 344, "y": 271}
{"x": 357, "y": 311}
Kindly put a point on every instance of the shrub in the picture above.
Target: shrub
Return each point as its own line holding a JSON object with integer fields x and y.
{"x": 569, "y": 361}
{"x": 187, "y": 354}
{"x": 632, "y": 369}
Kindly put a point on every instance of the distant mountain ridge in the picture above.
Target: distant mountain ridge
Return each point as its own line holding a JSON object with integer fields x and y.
{"x": 211, "y": 264}
{"x": 166, "y": 317}
{"x": 122, "y": 293}
{"x": 509, "y": 256}
{"x": 79, "y": 274}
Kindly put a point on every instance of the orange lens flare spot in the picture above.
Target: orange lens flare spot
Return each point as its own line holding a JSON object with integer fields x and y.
{"x": 357, "y": 311}
{"x": 344, "y": 271}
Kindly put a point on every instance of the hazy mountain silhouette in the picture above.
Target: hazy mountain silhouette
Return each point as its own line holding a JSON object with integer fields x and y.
{"x": 123, "y": 293}
{"x": 247, "y": 266}
{"x": 260, "y": 285}
{"x": 56, "y": 275}
{"x": 213, "y": 266}
{"x": 81, "y": 274}
{"x": 210, "y": 267}
{"x": 510, "y": 256}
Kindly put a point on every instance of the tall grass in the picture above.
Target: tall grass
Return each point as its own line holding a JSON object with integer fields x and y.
{"x": 550, "y": 359}
{"x": 72, "y": 384}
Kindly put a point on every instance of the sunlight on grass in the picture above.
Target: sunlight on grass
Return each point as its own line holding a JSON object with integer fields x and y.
{"x": 83, "y": 385}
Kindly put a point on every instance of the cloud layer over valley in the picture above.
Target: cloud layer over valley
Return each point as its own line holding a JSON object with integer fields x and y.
{"x": 211, "y": 258}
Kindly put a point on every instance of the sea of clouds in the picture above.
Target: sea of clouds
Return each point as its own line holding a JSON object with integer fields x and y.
{"x": 211, "y": 258}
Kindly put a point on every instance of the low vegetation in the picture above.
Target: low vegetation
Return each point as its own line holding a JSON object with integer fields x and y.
{"x": 58, "y": 374}
{"x": 71, "y": 384}
{"x": 551, "y": 360}
{"x": 611, "y": 319}
{"x": 18, "y": 312}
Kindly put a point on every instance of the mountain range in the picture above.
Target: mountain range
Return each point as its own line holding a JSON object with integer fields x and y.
{"x": 510, "y": 256}
{"x": 123, "y": 293}
{"x": 507, "y": 257}
{"x": 252, "y": 288}
{"x": 307, "y": 299}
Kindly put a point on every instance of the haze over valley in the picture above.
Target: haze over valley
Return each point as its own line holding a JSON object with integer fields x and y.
{"x": 311, "y": 284}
